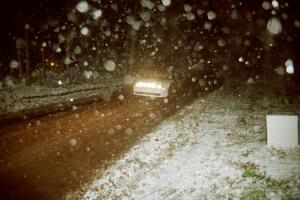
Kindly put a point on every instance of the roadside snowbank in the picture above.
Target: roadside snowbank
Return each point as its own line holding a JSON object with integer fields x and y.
{"x": 212, "y": 149}
{"x": 20, "y": 97}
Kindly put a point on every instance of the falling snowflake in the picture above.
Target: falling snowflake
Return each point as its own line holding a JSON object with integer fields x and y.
{"x": 202, "y": 82}
{"x": 129, "y": 79}
{"x": 297, "y": 23}
{"x": 84, "y": 31}
{"x": 200, "y": 12}
{"x": 38, "y": 122}
{"x": 96, "y": 14}
{"x": 121, "y": 97}
{"x": 161, "y": 8}
{"x": 166, "y": 2}
{"x": 207, "y": 25}
{"x": 118, "y": 127}
{"x": 280, "y": 70}
{"x": 241, "y": 59}
{"x": 275, "y": 4}
{"x": 136, "y": 25}
{"x": 234, "y": 14}
{"x": 147, "y": 4}
{"x": 145, "y": 16}
{"x": 82, "y": 6}
{"x": 221, "y": 43}
{"x": 58, "y": 50}
{"x": 130, "y": 20}
{"x": 190, "y": 16}
{"x": 128, "y": 131}
{"x": 225, "y": 67}
{"x": 152, "y": 115}
{"x": 198, "y": 47}
{"x": 77, "y": 50}
{"x": 289, "y": 66}
{"x": 109, "y": 65}
{"x": 44, "y": 44}
{"x": 247, "y": 43}
{"x": 250, "y": 81}
{"x": 27, "y": 26}
{"x": 111, "y": 131}
{"x": 13, "y": 64}
{"x": 211, "y": 15}
{"x": 88, "y": 74}
{"x": 266, "y": 5}
{"x": 73, "y": 142}
{"x": 187, "y": 8}
{"x": 274, "y": 26}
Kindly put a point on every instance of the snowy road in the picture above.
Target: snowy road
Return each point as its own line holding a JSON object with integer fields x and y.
{"x": 213, "y": 149}
{"x": 45, "y": 157}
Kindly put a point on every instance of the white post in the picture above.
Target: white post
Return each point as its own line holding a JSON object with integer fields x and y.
{"x": 282, "y": 131}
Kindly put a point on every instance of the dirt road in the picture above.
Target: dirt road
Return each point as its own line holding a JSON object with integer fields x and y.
{"x": 48, "y": 156}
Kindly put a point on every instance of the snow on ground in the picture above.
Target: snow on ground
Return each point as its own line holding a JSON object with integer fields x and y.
{"x": 21, "y": 97}
{"x": 213, "y": 149}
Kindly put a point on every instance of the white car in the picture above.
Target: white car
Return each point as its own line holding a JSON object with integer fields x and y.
{"x": 152, "y": 87}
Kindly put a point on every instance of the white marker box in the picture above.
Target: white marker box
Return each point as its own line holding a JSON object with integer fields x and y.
{"x": 282, "y": 131}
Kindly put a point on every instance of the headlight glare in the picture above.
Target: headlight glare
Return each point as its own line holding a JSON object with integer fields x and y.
{"x": 152, "y": 85}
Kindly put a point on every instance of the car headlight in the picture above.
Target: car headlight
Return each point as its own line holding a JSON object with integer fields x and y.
{"x": 151, "y": 85}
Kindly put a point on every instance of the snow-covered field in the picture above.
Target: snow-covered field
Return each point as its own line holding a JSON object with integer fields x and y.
{"x": 214, "y": 148}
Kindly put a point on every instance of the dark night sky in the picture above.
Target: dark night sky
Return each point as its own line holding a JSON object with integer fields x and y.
{"x": 14, "y": 10}
{"x": 15, "y": 13}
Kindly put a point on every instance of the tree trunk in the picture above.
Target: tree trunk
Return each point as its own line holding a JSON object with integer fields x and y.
{"x": 43, "y": 52}
{"x": 27, "y": 58}
{"x": 43, "y": 62}
{"x": 19, "y": 47}
{"x": 68, "y": 55}
{"x": 132, "y": 50}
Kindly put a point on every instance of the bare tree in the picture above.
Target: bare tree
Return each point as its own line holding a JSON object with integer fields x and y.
{"x": 27, "y": 56}
{"x": 19, "y": 47}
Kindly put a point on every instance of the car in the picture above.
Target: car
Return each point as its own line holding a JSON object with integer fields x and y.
{"x": 175, "y": 82}
{"x": 152, "y": 87}
{"x": 152, "y": 83}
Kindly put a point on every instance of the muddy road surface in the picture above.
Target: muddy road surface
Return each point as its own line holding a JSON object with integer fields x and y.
{"x": 45, "y": 157}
